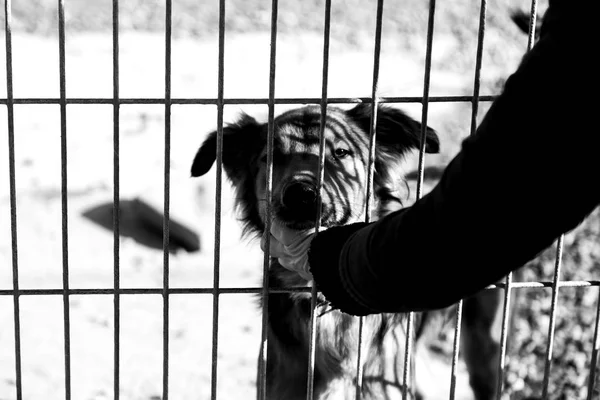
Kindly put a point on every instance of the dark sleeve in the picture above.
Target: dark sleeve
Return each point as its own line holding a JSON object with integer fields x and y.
{"x": 530, "y": 173}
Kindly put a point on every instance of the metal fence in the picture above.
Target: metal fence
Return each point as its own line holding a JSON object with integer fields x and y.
{"x": 215, "y": 291}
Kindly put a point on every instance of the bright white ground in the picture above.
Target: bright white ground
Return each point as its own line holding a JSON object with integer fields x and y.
{"x": 90, "y": 182}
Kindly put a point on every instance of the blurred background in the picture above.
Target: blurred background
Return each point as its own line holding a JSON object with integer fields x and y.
{"x": 90, "y": 129}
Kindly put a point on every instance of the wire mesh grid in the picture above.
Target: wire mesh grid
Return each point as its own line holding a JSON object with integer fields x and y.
{"x": 66, "y": 292}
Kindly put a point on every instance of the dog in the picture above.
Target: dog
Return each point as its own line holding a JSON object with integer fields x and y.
{"x": 294, "y": 203}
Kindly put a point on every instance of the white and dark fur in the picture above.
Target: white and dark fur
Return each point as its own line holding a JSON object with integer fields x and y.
{"x": 294, "y": 195}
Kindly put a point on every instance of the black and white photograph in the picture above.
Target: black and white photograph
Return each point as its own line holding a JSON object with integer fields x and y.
{"x": 299, "y": 199}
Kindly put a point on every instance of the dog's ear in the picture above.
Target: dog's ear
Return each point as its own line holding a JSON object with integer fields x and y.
{"x": 241, "y": 142}
{"x": 395, "y": 130}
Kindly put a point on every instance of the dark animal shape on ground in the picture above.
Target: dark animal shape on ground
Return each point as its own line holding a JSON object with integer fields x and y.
{"x": 144, "y": 224}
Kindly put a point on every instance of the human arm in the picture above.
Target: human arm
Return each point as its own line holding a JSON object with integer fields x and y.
{"x": 530, "y": 173}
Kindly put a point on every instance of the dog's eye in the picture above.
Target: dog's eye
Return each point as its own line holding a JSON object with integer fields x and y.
{"x": 340, "y": 152}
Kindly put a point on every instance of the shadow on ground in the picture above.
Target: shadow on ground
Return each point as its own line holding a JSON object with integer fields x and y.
{"x": 144, "y": 224}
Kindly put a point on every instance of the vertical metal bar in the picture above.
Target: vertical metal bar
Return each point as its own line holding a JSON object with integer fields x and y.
{"x": 504, "y": 336}
{"x": 218, "y": 195}
{"x": 421, "y": 167}
{"x": 13, "y": 194}
{"x": 477, "y": 81}
{"x": 508, "y": 282}
{"x": 116, "y": 202}
{"x": 532, "y": 24}
{"x": 64, "y": 196}
{"x": 455, "y": 348}
{"x": 474, "y": 109}
{"x": 551, "y": 324}
{"x": 166, "y": 208}
{"x": 360, "y": 371}
{"x": 425, "y": 101}
{"x": 370, "y": 172}
{"x": 374, "y": 110}
{"x": 262, "y": 384}
{"x": 320, "y": 177}
{"x": 595, "y": 352}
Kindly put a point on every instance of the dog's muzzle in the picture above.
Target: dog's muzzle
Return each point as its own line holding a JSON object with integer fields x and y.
{"x": 300, "y": 199}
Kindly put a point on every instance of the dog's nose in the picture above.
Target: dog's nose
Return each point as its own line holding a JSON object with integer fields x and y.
{"x": 300, "y": 196}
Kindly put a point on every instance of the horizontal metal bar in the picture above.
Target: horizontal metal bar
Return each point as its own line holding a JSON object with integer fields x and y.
{"x": 252, "y": 290}
{"x": 236, "y": 101}
{"x": 159, "y": 291}
{"x": 545, "y": 284}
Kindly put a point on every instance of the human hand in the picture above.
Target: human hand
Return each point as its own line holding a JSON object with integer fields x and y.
{"x": 290, "y": 247}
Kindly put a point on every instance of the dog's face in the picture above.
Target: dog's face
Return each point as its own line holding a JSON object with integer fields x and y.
{"x": 295, "y": 194}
